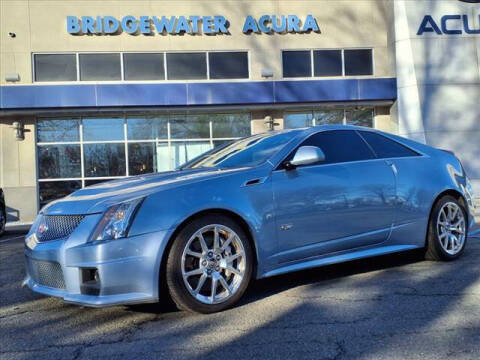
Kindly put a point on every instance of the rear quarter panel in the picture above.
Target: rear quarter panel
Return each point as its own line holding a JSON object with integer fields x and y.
{"x": 420, "y": 181}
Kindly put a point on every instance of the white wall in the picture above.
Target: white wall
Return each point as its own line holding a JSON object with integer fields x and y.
{"x": 439, "y": 80}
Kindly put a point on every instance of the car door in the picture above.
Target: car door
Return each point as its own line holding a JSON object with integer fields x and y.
{"x": 345, "y": 202}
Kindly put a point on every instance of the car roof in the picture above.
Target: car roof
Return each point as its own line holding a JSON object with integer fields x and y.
{"x": 313, "y": 129}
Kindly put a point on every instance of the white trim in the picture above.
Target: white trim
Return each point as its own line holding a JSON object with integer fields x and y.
{"x": 165, "y": 66}
{"x": 127, "y": 169}
{"x": 82, "y": 164}
{"x": 77, "y": 60}
{"x": 122, "y": 74}
{"x": 207, "y": 59}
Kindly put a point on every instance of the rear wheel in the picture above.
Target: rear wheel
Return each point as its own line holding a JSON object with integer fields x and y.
{"x": 447, "y": 230}
{"x": 209, "y": 265}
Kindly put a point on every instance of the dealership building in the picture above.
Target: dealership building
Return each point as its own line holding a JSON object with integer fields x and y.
{"x": 98, "y": 90}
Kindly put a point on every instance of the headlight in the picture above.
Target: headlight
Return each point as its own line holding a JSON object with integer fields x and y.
{"x": 116, "y": 221}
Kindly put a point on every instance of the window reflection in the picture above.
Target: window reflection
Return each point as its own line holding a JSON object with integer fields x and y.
{"x": 325, "y": 117}
{"x": 190, "y": 126}
{"x": 146, "y": 128}
{"x": 362, "y": 117}
{"x": 104, "y": 160}
{"x": 97, "y": 129}
{"x": 230, "y": 125}
{"x": 359, "y": 117}
{"x": 150, "y": 149}
{"x": 94, "y": 182}
{"x": 143, "y": 158}
{"x": 184, "y": 151}
{"x": 59, "y": 161}
{"x": 52, "y": 190}
{"x": 298, "y": 120}
{"x": 58, "y": 130}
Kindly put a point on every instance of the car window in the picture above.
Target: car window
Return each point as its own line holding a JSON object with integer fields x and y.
{"x": 385, "y": 147}
{"x": 339, "y": 146}
{"x": 246, "y": 152}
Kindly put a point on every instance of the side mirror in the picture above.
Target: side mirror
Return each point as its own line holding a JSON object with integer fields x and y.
{"x": 306, "y": 155}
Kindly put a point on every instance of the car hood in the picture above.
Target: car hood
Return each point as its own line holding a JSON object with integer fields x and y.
{"x": 97, "y": 198}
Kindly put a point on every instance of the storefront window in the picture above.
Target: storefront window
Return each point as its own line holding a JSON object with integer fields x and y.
{"x": 359, "y": 117}
{"x": 147, "y": 127}
{"x": 362, "y": 117}
{"x": 325, "y": 117}
{"x": 98, "y": 129}
{"x": 230, "y": 125}
{"x": 187, "y": 150}
{"x": 142, "y": 158}
{"x": 104, "y": 160}
{"x": 228, "y": 65}
{"x": 58, "y": 130}
{"x": 358, "y": 62}
{"x": 152, "y": 143}
{"x": 186, "y": 66}
{"x": 138, "y": 66}
{"x": 297, "y": 120}
{"x": 55, "y": 67}
{"x": 327, "y": 62}
{"x": 97, "y": 67}
{"x": 52, "y": 190}
{"x": 190, "y": 126}
{"x": 59, "y": 161}
{"x": 331, "y": 62}
{"x": 297, "y": 64}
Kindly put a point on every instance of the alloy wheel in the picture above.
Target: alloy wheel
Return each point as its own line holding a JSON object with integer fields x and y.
{"x": 213, "y": 264}
{"x": 451, "y": 228}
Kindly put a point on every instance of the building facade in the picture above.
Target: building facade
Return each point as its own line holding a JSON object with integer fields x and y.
{"x": 91, "y": 91}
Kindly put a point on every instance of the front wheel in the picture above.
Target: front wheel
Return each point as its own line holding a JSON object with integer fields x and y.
{"x": 447, "y": 230}
{"x": 209, "y": 264}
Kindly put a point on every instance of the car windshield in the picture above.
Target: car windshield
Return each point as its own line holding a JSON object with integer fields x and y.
{"x": 246, "y": 152}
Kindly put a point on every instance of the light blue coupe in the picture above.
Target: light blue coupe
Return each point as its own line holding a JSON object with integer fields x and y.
{"x": 257, "y": 207}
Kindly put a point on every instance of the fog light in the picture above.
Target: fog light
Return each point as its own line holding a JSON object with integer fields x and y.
{"x": 90, "y": 282}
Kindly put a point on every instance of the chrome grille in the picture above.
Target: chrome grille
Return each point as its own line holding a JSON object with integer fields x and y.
{"x": 58, "y": 226}
{"x": 46, "y": 273}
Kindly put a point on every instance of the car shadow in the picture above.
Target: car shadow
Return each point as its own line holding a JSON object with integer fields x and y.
{"x": 264, "y": 288}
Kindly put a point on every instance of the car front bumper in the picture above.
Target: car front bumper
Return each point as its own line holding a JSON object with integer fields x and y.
{"x": 127, "y": 269}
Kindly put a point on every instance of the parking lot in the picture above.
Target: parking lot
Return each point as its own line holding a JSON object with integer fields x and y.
{"x": 394, "y": 307}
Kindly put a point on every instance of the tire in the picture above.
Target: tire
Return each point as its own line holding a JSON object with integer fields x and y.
{"x": 193, "y": 269}
{"x": 440, "y": 245}
{"x": 2, "y": 222}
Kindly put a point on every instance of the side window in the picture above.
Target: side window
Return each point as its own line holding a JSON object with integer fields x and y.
{"x": 385, "y": 147}
{"x": 339, "y": 146}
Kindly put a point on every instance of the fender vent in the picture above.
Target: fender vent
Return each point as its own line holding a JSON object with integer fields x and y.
{"x": 254, "y": 182}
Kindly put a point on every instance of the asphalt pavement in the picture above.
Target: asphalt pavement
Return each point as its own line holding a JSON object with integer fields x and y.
{"x": 393, "y": 307}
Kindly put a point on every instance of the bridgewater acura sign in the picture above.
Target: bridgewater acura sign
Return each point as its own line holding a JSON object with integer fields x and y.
{"x": 193, "y": 25}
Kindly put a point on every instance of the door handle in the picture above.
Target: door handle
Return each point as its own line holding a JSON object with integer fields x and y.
{"x": 392, "y": 165}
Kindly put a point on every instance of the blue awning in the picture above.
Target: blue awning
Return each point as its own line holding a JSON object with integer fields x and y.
{"x": 196, "y": 93}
